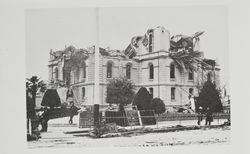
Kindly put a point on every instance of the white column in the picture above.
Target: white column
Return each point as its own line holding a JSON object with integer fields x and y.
{"x": 96, "y": 88}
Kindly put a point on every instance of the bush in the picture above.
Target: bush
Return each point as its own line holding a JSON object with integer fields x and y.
{"x": 158, "y": 106}
{"x": 142, "y": 99}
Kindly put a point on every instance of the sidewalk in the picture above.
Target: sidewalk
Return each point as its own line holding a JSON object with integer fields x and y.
{"x": 56, "y": 136}
{"x": 62, "y": 124}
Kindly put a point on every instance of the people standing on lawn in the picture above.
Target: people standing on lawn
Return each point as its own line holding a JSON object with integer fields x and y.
{"x": 209, "y": 116}
{"x": 199, "y": 115}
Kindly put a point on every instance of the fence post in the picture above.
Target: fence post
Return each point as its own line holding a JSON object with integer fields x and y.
{"x": 96, "y": 114}
{"x": 139, "y": 116}
{"x": 157, "y": 120}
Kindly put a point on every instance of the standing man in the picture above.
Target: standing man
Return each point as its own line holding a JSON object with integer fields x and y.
{"x": 209, "y": 116}
{"x": 44, "y": 120}
{"x": 72, "y": 113}
{"x": 199, "y": 115}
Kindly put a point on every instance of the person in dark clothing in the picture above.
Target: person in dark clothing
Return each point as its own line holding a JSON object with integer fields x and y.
{"x": 44, "y": 120}
{"x": 69, "y": 94}
{"x": 209, "y": 116}
{"x": 30, "y": 107}
{"x": 44, "y": 125}
{"x": 30, "y": 114}
{"x": 199, "y": 115}
{"x": 72, "y": 113}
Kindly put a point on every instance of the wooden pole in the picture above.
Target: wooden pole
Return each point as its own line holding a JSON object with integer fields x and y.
{"x": 96, "y": 87}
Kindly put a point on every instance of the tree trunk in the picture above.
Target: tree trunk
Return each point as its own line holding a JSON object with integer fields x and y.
{"x": 34, "y": 98}
{"x": 28, "y": 129}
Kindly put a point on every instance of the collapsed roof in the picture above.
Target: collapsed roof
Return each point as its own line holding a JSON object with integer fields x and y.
{"x": 177, "y": 42}
{"x": 72, "y": 51}
{"x": 183, "y": 41}
{"x": 74, "y": 56}
{"x": 181, "y": 51}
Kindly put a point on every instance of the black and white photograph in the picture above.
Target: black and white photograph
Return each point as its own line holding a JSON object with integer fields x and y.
{"x": 138, "y": 76}
{"x": 128, "y": 76}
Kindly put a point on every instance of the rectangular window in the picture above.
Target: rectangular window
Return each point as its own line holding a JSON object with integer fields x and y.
{"x": 151, "y": 71}
{"x": 109, "y": 70}
{"x": 83, "y": 92}
{"x": 150, "y": 48}
{"x": 128, "y": 71}
{"x": 84, "y": 72}
{"x": 172, "y": 71}
{"x": 172, "y": 93}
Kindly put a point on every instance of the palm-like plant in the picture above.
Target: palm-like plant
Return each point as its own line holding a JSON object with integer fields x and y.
{"x": 189, "y": 60}
{"x": 183, "y": 54}
{"x": 33, "y": 85}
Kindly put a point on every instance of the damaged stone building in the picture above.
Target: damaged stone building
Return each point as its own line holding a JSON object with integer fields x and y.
{"x": 170, "y": 67}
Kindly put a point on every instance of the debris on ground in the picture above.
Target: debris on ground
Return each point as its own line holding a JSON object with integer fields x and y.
{"x": 227, "y": 123}
{"x": 32, "y": 137}
{"x": 109, "y": 131}
{"x": 104, "y": 129}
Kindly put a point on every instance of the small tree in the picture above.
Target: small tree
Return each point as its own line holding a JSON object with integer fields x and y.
{"x": 210, "y": 97}
{"x": 33, "y": 85}
{"x": 158, "y": 106}
{"x": 120, "y": 91}
{"x": 142, "y": 99}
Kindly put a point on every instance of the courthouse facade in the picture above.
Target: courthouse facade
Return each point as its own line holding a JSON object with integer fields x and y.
{"x": 146, "y": 61}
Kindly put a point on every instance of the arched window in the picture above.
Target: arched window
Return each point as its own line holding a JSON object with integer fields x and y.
{"x": 83, "y": 70}
{"x": 151, "y": 91}
{"x": 151, "y": 71}
{"x": 128, "y": 71}
{"x": 150, "y": 48}
{"x": 191, "y": 75}
{"x": 83, "y": 92}
{"x": 109, "y": 70}
{"x": 172, "y": 71}
{"x": 56, "y": 73}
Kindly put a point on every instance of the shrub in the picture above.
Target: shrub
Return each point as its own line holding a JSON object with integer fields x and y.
{"x": 142, "y": 99}
{"x": 158, "y": 106}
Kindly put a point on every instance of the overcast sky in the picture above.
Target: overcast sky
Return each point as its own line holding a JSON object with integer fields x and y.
{"x": 54, "y": 28}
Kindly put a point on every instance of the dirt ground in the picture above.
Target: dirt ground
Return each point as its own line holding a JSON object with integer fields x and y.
{"x": 55, "y": 137}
